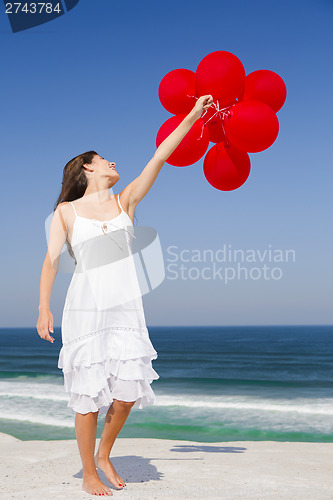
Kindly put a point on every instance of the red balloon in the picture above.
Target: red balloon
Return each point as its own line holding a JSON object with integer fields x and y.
{"x": 213, "y": 123}
{"x": 222, "y": 75}
{"x": 191, "y": 148}
{"x": 215, "y": 128}
{"x": 174, "y": 89}
{"x": 266, "y": 86}
{"x": 226, "y": 168}
{"x": 251, "y": 126}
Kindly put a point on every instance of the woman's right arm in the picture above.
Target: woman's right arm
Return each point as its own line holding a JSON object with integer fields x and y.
{"x": 57, "y": 238}
{"x": 133, "y": 193}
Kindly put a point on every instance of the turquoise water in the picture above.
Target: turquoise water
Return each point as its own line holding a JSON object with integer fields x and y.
{"x": 216, "y": 384}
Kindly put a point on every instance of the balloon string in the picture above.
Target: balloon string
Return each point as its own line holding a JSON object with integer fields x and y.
{"x": 221, "y": 112}
{"x": 225, "y": 135}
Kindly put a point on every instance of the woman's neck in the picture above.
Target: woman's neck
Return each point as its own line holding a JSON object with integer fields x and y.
{"x": 98, "y": 196}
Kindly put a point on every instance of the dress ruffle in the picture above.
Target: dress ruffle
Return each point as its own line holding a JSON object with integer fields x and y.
{"x": 114, "y": 363}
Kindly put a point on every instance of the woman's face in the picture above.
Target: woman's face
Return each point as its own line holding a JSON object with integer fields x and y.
{"x": 104, "y": 167}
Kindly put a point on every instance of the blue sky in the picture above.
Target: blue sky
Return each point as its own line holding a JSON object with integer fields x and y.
{"x": 89, "y": 80}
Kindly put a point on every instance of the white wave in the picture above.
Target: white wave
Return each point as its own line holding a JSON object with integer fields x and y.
{"x": 18, "y": 394}
{"x": 322, "y": 406}
{"x": 36, "y": 390}
{"x": 36, "y": 418}
{"x": 56, "y": 392}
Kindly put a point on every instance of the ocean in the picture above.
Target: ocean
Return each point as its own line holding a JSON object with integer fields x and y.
{"x": 249, "y": 383}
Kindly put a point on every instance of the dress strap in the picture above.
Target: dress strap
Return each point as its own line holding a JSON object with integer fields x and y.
{"x": 120, "y": 203}
{"x": 74, "y": 208}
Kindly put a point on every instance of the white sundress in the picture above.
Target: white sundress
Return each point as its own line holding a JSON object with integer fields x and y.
{"x": 106, "y": 351}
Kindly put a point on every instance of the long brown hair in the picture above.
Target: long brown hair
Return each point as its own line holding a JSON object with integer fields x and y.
{"x": 74, "y": 184}
{"x": 74, "y": 181}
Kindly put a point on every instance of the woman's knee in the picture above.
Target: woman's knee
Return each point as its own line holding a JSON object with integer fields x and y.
{"x": 125, "y": 404}
{"x": 88, "y": 414}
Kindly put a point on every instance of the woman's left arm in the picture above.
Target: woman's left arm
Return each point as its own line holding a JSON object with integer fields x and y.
{"x": 139, "y": 187}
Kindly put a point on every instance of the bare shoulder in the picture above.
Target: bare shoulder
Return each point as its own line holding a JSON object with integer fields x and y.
{"x": 65, "y": 213}
{"x": 63, "y": 204}
{"x": 63, "y": 208}
{"x": 125, "y": 201}
{"x": 124, "y": 197}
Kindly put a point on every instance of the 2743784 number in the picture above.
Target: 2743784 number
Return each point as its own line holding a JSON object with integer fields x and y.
{"x": 32, "y": 8}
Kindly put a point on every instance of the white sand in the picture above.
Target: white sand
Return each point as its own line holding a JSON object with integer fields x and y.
{"x": 161, "y": 468}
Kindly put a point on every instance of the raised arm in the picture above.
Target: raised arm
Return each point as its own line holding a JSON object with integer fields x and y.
{"x": 133, "y": 193}
{"x": 57, "y": 238}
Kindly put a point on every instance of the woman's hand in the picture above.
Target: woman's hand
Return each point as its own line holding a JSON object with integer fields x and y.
{"x": 170, "y": 143}
{"x": 204, "y": 102}
{"x": 44, "y": 324}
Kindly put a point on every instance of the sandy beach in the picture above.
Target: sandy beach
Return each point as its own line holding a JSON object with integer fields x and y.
{"x": 161, "y": 468}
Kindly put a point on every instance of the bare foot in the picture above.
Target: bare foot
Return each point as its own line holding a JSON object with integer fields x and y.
{"x": 106, "y": 466}
{"x": 93, "y": 485}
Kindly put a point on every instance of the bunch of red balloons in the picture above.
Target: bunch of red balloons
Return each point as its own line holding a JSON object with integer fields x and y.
{"x": 241, "y": 120}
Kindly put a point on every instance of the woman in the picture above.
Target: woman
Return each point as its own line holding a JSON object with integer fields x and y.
{"x": 106, "y": 354}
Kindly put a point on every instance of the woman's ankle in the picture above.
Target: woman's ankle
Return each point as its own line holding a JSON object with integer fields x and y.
{"x": 103, "y": 453}
{"x": 102, "y": 457}
{"x": 90, "y": 473}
